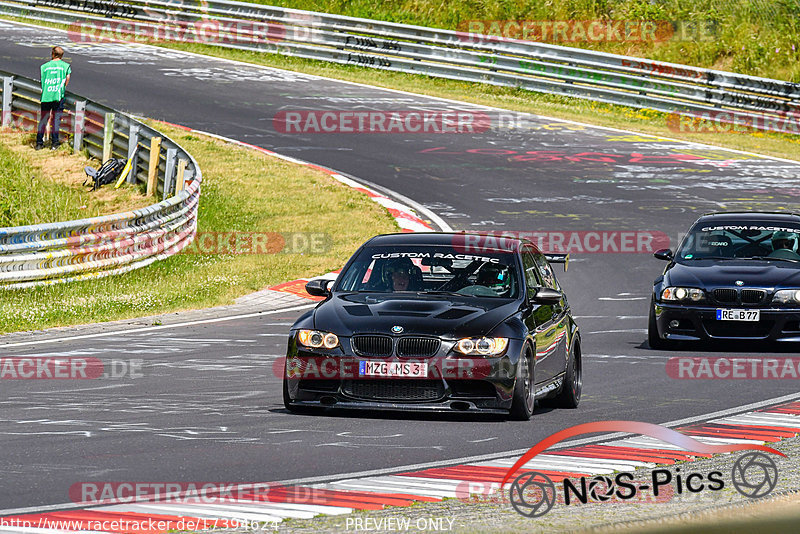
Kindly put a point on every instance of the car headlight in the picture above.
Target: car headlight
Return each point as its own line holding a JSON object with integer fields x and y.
{"x": 482, "y": 346}
{"x": 317, "y": 340}
{"x": 683, "y": 293}
{"x": 787, "y": 296}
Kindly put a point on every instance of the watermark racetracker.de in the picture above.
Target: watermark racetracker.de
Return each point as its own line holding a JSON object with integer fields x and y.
{"x": 733, "y": 368}
{"x": 568, "y": 241}
{"x": 72, "y": 368}
{"x": 732, "y": 122}
{"x": 202, "y": 31}
{"x": 241, "y": 242}
{"x": 455, "y": 121}
{"x": 586, "y": 31}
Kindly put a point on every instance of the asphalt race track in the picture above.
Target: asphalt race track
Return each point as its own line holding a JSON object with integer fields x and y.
{"x": 208, "y": 406}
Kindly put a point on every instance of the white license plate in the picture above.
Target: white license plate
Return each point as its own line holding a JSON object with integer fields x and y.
{"x": 738, "y": 315}
{"x": 397, "y": 369}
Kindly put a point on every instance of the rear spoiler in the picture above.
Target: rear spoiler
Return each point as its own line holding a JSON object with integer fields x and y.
{"x": 558, "y": 258}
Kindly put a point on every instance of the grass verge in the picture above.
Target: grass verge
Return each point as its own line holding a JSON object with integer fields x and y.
{"x": 245, "y": 193}
{"x": 54, "y": 180}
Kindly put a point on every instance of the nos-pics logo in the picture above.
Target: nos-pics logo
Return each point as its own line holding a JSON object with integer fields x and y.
{"x": 533, "y": 494}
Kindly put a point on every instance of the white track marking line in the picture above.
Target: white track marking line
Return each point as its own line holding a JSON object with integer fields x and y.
{"x": 159, "y": 327}
{"x": 536, "y": 465}
{"x": 578, "y": 461}
{"x": 416, "y": 482}
{"x": 754, "y": 420}
{"x": 611, "y": 462}
{"x": 381, "y": 488}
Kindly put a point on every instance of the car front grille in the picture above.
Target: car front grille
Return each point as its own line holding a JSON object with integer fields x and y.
{"x": 752, "y": 296}
{"x": 728, "y": 295}
{"x": 395, "y": 390}
{"x": 725, "y": 296}
{"x": 417, "y": 347}
{"x": 380, "y": 346}
{"x": 738, "y": 329}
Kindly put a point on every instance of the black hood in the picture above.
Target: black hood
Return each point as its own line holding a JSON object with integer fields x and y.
{"x": 707, "y": 274}
{"x": 355, "y": 313}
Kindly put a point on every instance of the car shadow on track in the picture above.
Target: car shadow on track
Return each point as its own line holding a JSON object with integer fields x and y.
{"x": 383, "y": 415}
{"x": 743, "y": 346}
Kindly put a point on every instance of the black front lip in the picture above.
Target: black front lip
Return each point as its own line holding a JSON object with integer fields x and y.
{"x": 699, "y": 319}
{"x": 496, "y": 399}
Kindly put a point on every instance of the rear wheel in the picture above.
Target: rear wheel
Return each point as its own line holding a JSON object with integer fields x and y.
{"x": 570, "y": 394}
{"x": 653, "y": 339}
{"x": 524, "y": 389}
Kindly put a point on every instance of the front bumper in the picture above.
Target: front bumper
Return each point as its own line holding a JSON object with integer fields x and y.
{"x": 697, "y": 323}
{"x": 453, "y": 383}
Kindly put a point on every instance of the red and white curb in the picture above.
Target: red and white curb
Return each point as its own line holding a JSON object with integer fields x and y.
{"x": 304, "y": 501}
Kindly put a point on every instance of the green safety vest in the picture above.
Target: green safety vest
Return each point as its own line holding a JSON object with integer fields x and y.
{"x": 54, "y": 76}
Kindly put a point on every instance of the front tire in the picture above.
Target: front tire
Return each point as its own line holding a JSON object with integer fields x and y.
{"x": 524, "y": 398}
{"x": 570, "y": 394}
{"x": 287, "y": 401}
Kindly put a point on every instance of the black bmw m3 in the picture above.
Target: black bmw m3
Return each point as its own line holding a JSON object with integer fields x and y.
{"x": 437, "y": 322}
{"x": 734, "y": 276}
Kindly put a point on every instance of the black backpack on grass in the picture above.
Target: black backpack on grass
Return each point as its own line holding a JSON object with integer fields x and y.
{"x": 106, "y": 174}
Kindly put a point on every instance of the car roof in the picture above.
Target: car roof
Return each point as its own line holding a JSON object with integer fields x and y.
{"x": 750, "y": 216}
{"x": 466, "y": 239}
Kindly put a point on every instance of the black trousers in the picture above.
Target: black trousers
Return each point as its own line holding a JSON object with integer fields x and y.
{"x": 51, "y": 114}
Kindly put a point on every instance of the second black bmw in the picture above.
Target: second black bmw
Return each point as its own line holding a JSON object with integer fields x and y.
{"x": 437, "y": 322}
{"x": 734, "y": 276}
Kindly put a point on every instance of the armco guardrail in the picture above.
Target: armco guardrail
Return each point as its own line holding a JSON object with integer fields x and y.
{"x": 113, "y": 244}
{"x": 760, "y": 102}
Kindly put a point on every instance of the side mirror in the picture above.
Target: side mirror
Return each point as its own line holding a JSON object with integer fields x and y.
{"x": 664, "y": 254}
{"x": 545, "y": 295}
{"x": 318, "y": 288}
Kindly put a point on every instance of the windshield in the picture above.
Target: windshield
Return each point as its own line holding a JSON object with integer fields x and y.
{"x": 745, "y": 239}
{"x": 432, "y": 269}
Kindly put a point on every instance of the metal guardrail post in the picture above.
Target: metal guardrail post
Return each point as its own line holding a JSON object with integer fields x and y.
{"x": 108, "y": 136}
{"x": 8, "y": 90}
{"x": 80, "y": 125}
{"x": 181, "y": 176}
{"x": 152, "y": 174}
{"x": 133, "y": 143}
{"x": 169, "y": 172}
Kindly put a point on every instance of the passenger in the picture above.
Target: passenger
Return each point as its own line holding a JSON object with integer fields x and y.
{"x": 783, "y": 245}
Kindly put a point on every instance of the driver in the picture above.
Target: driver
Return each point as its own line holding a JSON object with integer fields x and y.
{"x": 783, "y": 245}
{"x": 494, "y": 277}
{"x": 398, "y": 274}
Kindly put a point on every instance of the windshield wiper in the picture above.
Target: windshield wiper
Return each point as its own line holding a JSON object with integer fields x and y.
{"x": 709, "y": 258}
{"x": 767, "y": 258}
{"x": 438, "y": 293}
